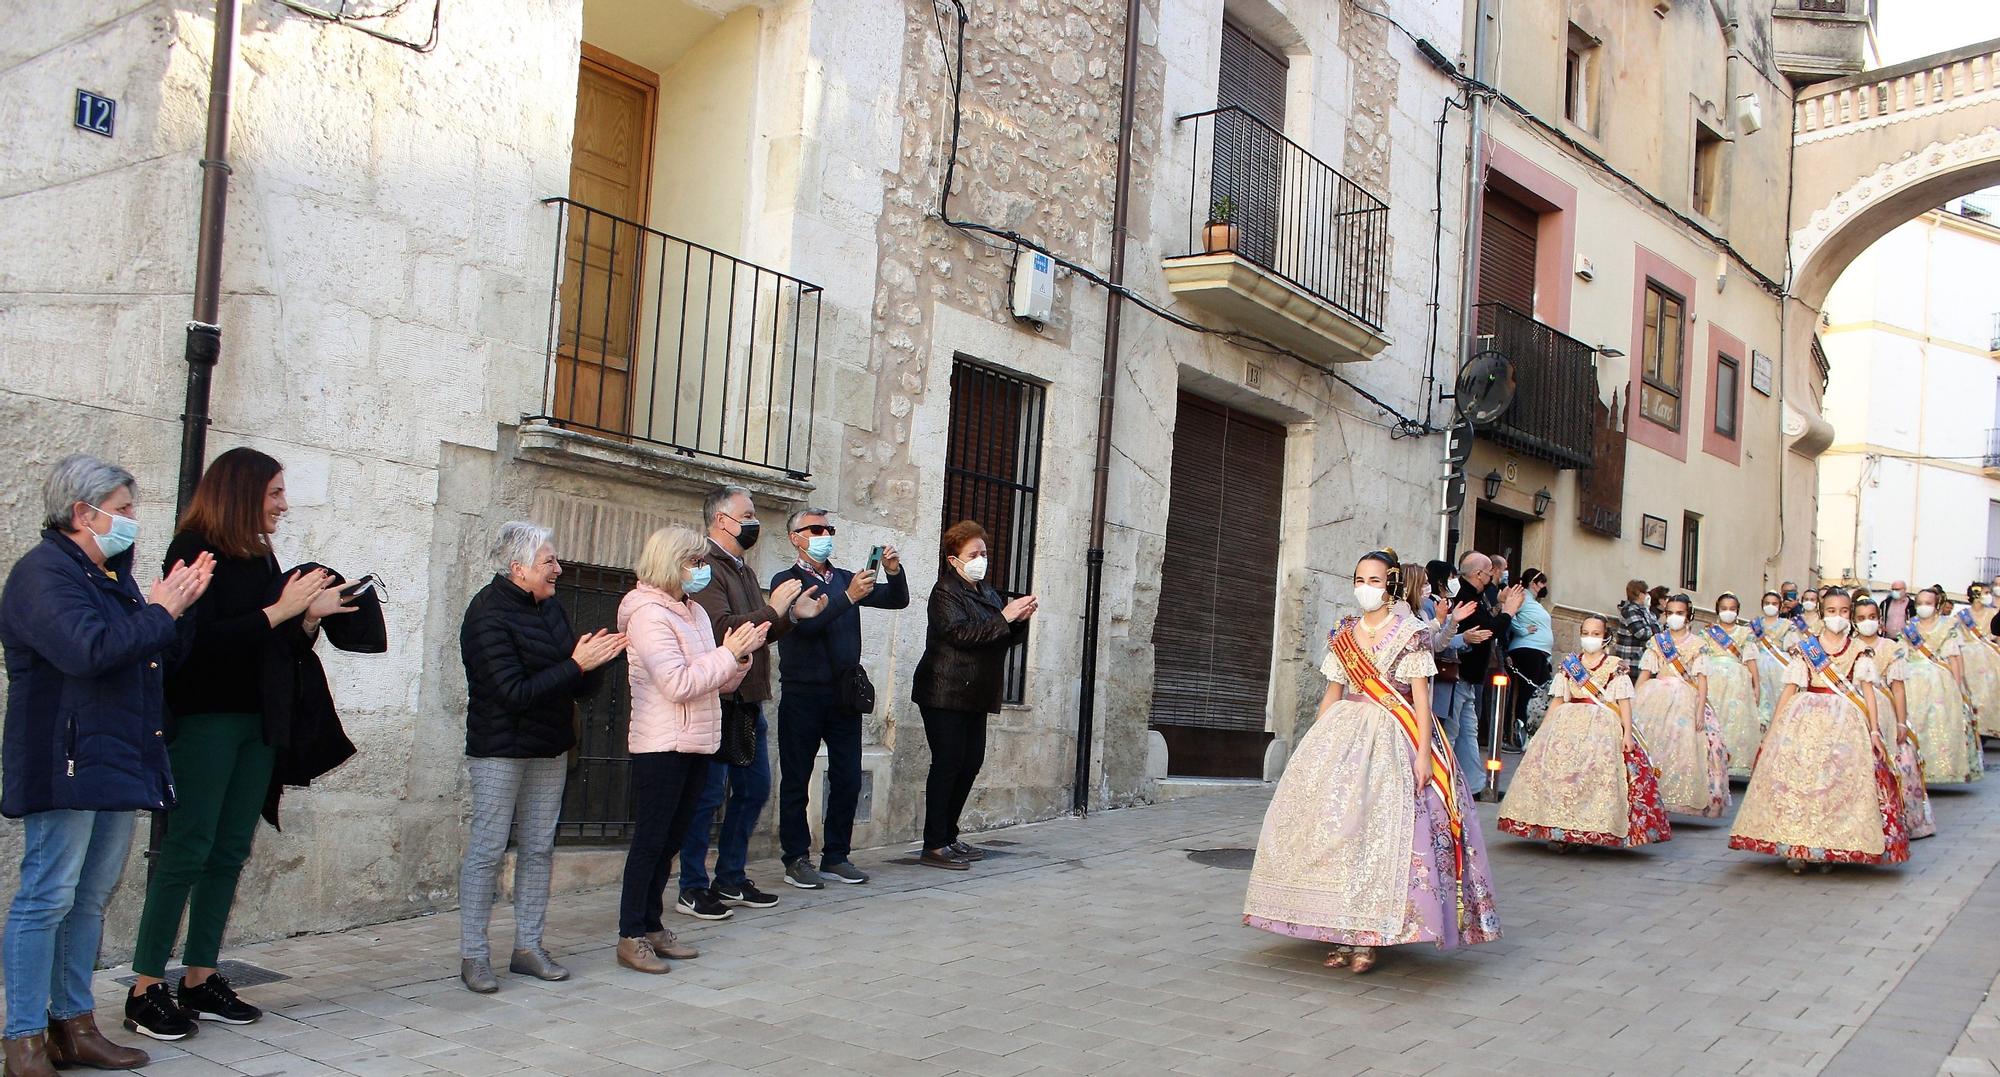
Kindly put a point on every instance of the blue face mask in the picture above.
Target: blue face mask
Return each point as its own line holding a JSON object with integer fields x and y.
{"x": 697, "y": 578}
{"x": 124, "y": 532}
{"x": 820, "y": 548}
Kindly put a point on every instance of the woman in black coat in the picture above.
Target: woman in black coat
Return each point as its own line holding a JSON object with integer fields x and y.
{"x": 524, "y": 671}
{"x": 958, "y": 683}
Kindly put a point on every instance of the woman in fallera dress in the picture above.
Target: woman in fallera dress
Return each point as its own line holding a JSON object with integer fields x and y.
{"x": 1981, "y": 661}
{"x": 1771, "y": 635}
{"x": 1934, "y": 687}
{"x": 1733, "y": 684}
{"x": 1371, "y": 839}
{"x": 1808, "y": 612}
{"x": 1670, "y": 711}
{"x": 1824, "y": 792}
{"x": 1585, "y": 780}
{"x": 1892, "y": 717}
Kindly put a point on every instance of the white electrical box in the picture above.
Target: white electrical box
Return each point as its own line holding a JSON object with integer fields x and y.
{"x": 1034, "y": 287}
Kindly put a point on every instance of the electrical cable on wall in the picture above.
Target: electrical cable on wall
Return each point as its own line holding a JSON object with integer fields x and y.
{"x": 359, "y": 21}
{"x": 1404, "y": 425}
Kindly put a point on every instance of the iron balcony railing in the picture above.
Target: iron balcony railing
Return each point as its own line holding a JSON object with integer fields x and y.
{"x": 1993, "y": 338}
{"x": 1985, "y": 568}
{"x": 1294, "y": 214}
{"x": 1993, "y": 447}
{"x": 1555, "y": 384}
{"x": 661, "y": 340}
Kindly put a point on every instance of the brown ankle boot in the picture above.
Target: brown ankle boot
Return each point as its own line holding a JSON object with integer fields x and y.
{"x": 76, "y": 1042}
{"x": 637, "y": 955}
{"x": 28, "y": 1056}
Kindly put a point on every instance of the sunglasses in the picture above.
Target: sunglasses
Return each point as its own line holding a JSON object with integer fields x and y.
{"x": 814, "y": 529}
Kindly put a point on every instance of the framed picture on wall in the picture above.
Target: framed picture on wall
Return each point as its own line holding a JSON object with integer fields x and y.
{"x": 1760, "y": 372}
{"x": 1653, "y": 532}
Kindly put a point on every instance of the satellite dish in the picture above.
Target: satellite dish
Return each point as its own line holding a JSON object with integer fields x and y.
{"x": 1485, "y": 387}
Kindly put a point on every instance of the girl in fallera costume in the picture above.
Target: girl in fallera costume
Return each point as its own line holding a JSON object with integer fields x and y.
{"x": 1808, "y": 613}
{"x": 1947, "y": 736}
{"x": 1371, "y": 839}
{"x": 1892, "y": 716}
{"x": 1585, "y": 779}
{"x": 1670, "y": 711}
{"x": 1733, "y": 684}
{"x": 1981, "y": 661}
{"x": 1771, "y": 635}
{"x": 1824, "y": 791}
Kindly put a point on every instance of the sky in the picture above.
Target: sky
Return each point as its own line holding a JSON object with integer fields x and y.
{"x": 1907, "y": 29}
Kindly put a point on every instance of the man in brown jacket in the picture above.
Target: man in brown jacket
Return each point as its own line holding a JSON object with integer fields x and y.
{"x": 733, "y": 598}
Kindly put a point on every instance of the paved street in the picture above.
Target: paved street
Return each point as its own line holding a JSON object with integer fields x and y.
{"x": 1100, "y": 946}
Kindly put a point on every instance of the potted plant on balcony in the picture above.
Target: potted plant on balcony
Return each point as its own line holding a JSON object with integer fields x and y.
{"x": 1218, "y": 236}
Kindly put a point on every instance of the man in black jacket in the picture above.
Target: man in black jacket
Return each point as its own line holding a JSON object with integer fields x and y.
{"x": 1475, "y": 663}
{"x": 819, "y": 670}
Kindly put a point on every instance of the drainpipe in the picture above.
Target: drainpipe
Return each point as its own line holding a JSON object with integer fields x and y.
{"x": 1475, "y": 200}
{"x": 1093, "y": 609}
{"x": 204, "y": 333}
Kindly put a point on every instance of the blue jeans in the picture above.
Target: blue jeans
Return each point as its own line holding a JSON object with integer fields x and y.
{"x": 69, "y": 866}
{"x": 1456, "y": 708}
{"x": 746, "y": 789}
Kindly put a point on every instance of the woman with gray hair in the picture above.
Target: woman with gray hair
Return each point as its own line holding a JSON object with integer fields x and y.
{"x": 524, "y": 669}
{"x": 84, "y": 749}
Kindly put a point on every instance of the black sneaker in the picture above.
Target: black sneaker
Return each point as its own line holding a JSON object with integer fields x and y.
{"x": 701, "y": 905}
{"x": 216, "y": 1001}
{"x": 153, "y": 1012}
{"x": 747, "y": 894}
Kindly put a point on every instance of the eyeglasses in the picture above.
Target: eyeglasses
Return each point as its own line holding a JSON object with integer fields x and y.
{"x": 815, "y": 529}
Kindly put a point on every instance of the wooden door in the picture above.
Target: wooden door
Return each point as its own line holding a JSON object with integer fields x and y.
{"x": 611, "y": 161}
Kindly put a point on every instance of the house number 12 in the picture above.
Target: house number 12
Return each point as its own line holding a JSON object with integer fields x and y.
{"x": 94, "y": 113}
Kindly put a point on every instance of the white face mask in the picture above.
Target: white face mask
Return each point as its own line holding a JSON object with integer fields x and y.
{"x": 1770, "y": 610}
{"x": 1926, "y": 610}
{"x": 1868, "y": 627}
{"x": 1369, "y": 598}
{"x": 1676, "y": 621}
{"x": 1895, "y": 592}
{"x": 1590, "y": 644}
{"x": 1989, "y": 600}
{"x": 1727, "y": 617}
{"x": 1809, "y": 605}
{"x": 1836, "y": 624}
{"x": 975, "y": 569}
{"x": 1451, "y": 587}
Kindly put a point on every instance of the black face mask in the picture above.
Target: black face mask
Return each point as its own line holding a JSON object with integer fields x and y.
{"x": 747, "y": 532}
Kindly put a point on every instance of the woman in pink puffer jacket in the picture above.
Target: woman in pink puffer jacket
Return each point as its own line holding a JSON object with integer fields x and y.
{"x": 678, "y": 673}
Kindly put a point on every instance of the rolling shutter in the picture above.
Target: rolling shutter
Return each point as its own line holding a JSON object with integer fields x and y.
{"x": 1507, "y": 253}
{"x": 1248, "y": 164}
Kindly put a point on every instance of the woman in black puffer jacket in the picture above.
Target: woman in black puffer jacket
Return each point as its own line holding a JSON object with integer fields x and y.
{"x": 524, "y": 669}
{"x": 958, "y": 683}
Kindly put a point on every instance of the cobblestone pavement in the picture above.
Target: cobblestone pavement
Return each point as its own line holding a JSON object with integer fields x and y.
{"x": 1098, "y": 946}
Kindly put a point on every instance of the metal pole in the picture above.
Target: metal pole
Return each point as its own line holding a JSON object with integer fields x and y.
{"x": 1502, "y": 696}
{"x": 204, "y": 332}
{"x": 1086, "y": 703}
{"x": 1475, "y": 200}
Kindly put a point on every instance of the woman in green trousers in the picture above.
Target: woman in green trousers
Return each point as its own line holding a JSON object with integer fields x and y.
{"x": 219, "y": 738}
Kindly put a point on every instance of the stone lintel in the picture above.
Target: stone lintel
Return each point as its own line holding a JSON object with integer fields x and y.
{"x": 1261, "y": 302}
{"x": 614, "y": 459}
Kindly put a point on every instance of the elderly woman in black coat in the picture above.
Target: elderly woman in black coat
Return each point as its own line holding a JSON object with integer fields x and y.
{"x": 524, "y": 669}
{"x": 958, "y": 683}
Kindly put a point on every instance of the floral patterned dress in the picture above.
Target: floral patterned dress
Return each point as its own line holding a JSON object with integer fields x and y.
{"x": 1352, "y": 850}
{"x": 1577, "y": 782}
{"x": 1731, "y": 698}
{"x": 1891, "y": 668}
{"x": 1770, "y": 667}
{"x": 1947, "y": 739}
{"x": 1821, "y": 792}
{"x": 1683, "y": 736}
{"x": 1982, "y": 666}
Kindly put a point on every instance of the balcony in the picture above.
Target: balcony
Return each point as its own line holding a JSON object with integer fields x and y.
{"x": 1303, "y": 261}
{"x": 1555, "y": 386}
{"x": 1993, "y": 337}
{"x": 1992, "y": 460}
{"x": 677, "y": 348}
{"x": 1816, "y": 40}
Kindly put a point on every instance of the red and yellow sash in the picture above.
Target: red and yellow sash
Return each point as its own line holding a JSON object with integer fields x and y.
{"x": 1764, "y": 640}
{"x": 1362, "y": 674}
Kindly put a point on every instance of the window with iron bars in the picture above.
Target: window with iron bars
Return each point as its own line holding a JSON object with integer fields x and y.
{"x": 993, "y": 466}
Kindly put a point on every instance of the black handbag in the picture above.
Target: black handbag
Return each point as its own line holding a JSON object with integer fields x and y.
{"x": 739, "y": 733}
{"x": 854, "y": 691}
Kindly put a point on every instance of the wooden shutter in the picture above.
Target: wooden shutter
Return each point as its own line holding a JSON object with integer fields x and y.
{"x": 1507, "y": 253}
{"x": 1600, "y": 496}
{"x": 1212, "y": 642}
{"x": 1249, "y": 164}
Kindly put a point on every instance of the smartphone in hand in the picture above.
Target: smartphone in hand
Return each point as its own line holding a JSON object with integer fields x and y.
{"x": 875, "y": 559}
